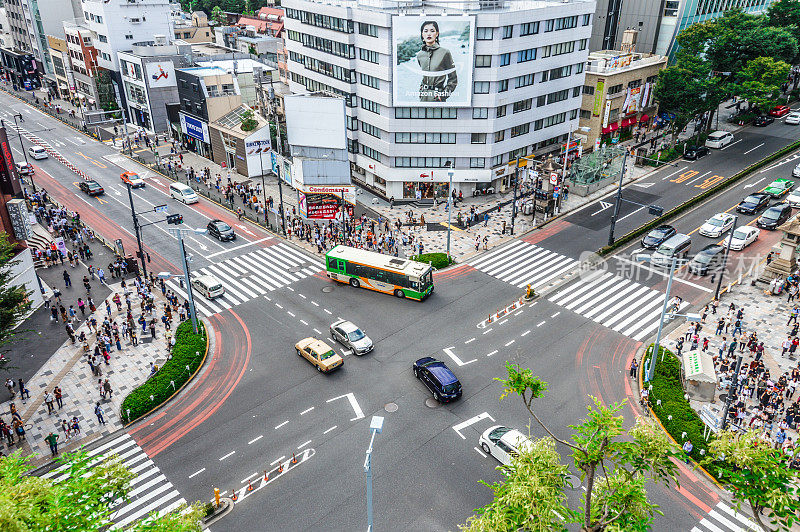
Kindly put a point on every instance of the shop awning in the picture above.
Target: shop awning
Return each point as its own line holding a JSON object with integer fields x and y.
{"x": 628, "y": 121}
{"x": 605, "y": 130}
{"x": 644, "y": 118}
{"x": 614, "y": 126}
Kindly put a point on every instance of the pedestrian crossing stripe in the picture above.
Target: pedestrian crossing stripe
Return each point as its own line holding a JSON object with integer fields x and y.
{"x": 521, "y": 264}
{"x": 150, "y": 490}
{"x": 615, "y": 302}
{"x": 252, "y": 275}
{"x": 723, "y": 518}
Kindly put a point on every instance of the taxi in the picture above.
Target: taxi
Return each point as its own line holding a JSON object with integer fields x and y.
{"x": 319, "y": 354}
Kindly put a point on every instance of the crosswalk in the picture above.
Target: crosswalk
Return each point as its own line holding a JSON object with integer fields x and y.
{"x": 521, "y": 264}
{"x": 723, "y": 518}
{"x": 620, "y": 304}
{"x": 150, "y": 490}
{"x": 251, "y": 275}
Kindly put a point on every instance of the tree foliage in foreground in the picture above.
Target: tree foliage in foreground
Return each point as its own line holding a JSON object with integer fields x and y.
{"x": 614, "y": 463}
{"x": 83, "y": 500}
{"x": 757, "y": 475}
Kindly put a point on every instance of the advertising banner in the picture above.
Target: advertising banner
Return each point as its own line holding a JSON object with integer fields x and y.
{"x": 20, "y": 223}
{"x": 607, "y": 113}
{"x": 9, "y": 180}
{"x": 432, "y": 60}
{"x": 598, "y": 96}
{"x": 631, "y": 104}
{"x": 160, "y": 74}
{"x": 195, "y": 128}
{"x": 324, "y": 203}
{"x": 257, "y": 152}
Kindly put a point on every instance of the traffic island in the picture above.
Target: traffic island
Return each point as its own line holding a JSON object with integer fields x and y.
{"x": 216, "y": 512}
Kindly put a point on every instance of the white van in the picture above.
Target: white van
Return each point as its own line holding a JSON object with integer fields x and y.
{"x": 675, "y": 246}
{"x": 208, "y": 286}
{"x": 719, "y": 139}
{"x": 37, "y": 152}
{"x": 183, "y": 192}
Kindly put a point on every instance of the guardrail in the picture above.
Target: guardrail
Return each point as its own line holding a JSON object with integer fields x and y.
{"x": 688, "y": 204}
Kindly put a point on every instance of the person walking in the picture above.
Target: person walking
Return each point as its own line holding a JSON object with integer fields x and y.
{"x": 98, "y": 411}
{"x": 634, "y": 371}
{"x": 24, "y": 393}
{"x": 52, "y": 440}
{"x": 107, "y": 388}
{"x": 687, "y": 449}
{"x": 48, "y": 400}
{"x": 67, "y": 279}
{"x": 57, "y": 393}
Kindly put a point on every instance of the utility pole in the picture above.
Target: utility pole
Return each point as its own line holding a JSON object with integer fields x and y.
{"x": 274, "y": 114}
{"x": 186, "y": 276}
{"x": 450, "y": 211}
{"x": 732, "y": 392}
{"x": 514, "y": 203}
{"x": 651, "y": 369}
{"x": 563, "y": 173}
{"x": 725, "y": 258}
{"x": 619, "y": 197}
{"x": 21, "y": 146}
{"x": 124, "y": 119}
{"x": 136, "y": 230}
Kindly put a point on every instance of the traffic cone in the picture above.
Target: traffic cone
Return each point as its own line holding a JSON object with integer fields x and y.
{"x": 280, "y": 467}
{"x": 266, "y": 476}
{"x": 234, "y": 496}
{"x": 294, "y": 459}
{"x": 249, "y": 486}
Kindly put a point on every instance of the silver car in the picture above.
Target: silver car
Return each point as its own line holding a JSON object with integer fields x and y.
{"x": 347, "y": 334}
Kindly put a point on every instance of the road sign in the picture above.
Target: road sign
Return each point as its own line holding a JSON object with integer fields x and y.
{"x": 160, "y": 208}
{"x": 553, "y": 179}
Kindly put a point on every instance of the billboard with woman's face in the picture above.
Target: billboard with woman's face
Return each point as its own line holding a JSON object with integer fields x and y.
{"x": 433, "y": 59}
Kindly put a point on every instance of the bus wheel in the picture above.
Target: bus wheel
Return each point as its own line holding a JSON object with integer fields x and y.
{"x": 354, "y": 282}
{"x": 400, "y": 294}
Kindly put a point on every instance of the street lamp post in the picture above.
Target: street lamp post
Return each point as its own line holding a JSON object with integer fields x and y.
{"x": 619, "y": 197}
{"x": 375, "y": 427}
{"x": 732, "y": 392}
{"x": 179, "y": 233}
{"x": 450, "y": 209}
{"x": 136, "y": 230}
{"x": 514, "y": 203}
{"x": 651, "y": 369}
{"x": 21, "y": 146}
{"x": 725, "y": 258}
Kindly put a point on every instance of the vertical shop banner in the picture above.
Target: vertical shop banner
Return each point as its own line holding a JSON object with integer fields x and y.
{"x": 9, "y": 180}
{"x": 598, "y": 96}
{"x": 606, "y": 113}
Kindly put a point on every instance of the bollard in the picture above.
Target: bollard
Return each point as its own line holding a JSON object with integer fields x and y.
{"x": 280, "y": 467}
{"x": 294, "y": 459}
{"x": 266, "y": 476}
{"x": 216, "y": 497}
{"x": 249, "y": 486}
{"x": 234, "y": 496}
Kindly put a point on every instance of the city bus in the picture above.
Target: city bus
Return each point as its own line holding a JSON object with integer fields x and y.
{"x": 382, "y": 273}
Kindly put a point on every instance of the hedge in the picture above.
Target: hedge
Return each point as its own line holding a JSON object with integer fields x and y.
{"x": 668, "y": 388}
{"x": 159, "y": 386}
{"x": 688, "y": 204}
{"x": 437, "y": 260}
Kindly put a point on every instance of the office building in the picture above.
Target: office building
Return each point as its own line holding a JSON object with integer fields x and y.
{"x": 510, "y": 84}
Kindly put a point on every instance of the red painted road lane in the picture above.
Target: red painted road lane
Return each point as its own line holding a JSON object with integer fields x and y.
{"x": 207, "y": 395}
{"x": 547, "y": 231}
{"x": 99, "y": 222}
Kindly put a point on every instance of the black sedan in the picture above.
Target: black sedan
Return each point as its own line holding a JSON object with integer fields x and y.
{"x": 695, "y": 152}
{"x": 657, "y": 236}
{"x": 753, "y": 203}
{"x": 763, "y": 120}
{"x": 91, "y": 188}
{"x": 438, "y": 378}
{"x": 774, "y": 216}
{"x": 220, "y": 230}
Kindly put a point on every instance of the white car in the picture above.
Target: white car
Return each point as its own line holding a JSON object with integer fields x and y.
{"x": 503, "y": 443}
{"x": 796, "y": 171}
{"x": 717, "y": 224}
{"x": 792, "y": 118}
{"x": 743, "y": 236}
{"x": 793, "y": 200}
{"x": 719, "y": 139}
{"x": 347, "y": 334}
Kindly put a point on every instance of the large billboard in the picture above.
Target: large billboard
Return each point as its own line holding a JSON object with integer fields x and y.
{"x": 317, "y": 121}
{"x": 325, "y": 203}
{"x": 433, "y": 59}
{"x": 160, "y": 74}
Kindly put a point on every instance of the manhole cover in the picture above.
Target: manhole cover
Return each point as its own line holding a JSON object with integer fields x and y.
{"x": 327, "y": 289}
{"x": 391, "y": 407}
{"x": 430, "y": 402}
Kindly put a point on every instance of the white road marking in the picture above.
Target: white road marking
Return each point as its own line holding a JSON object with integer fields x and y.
{"x": 307, "y": 410}
{"x": 487, "y": 330}
{"x": 328, "y": 311}
{"x": 479, "y": 452}
{"x": 317, "y": 331}
{"x": 729, "y": 145}
{"x": 631, "y": 214}
{"x": 291, "y": 314}
{"x": 278, "y": 305}
{"x": 330, "y": 429}
{"x": 331, "y": 339}
{"x": 315, "y": 303}
{"x": 197, "y": 473}
{"x": 227, "y": 455}
{"x": 502, "y": 322}
{"x": 752, "y": 149}
{"x": 508, "y": 343}
{"x": 254, "y": 440}
{"x": 556, "y": 314}
{"x": 748, "y": 185}
{"x": 449, "y": 352}
{"x": 526, "y": 333}
{"x": 517, "y": 313}
{"x": 540, "y": 323}
{"x": 303, "y": 445}
{"x": 278, "y": 460}
{"x": 304, "y": 322}
{"x": 290, "y": 288}
{"x": 471, "y": 421}
{"x": 227, "y": 250}
{"x": 282, "y": 424}
{"x": 267, "y": 298}
{"x": 245, "y": 481}
{"x": 353, "y": 404}
{"x": 672, "y": 174}
{"x": 301, "y": 295}
{"x": 492, "y": 353}
{"x": 470, "y": 341}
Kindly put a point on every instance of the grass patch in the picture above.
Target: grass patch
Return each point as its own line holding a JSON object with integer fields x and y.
{"x": 437, "y": 260}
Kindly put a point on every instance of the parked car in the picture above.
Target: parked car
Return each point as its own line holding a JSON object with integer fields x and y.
{"x": 719, "y": 139}
{"x": 220, "y": 230}
{"x": 25, "y": 169}
{"x": 709, "y": 259}
{"x": 132, "y": 178}
{"x": 695, "y": 152}
{"x": 780, "y": 110}
{"x": 754, "y": 203}
{"x": 717, "y": 224}
{"x": 743, "y": 236}
{"x": 657, "y": 236}
{"x": 763, "y": 120}
{"x": 321, "y": 355}
{"x": 347, "y": 334}
{"x": 774, "y": 216}
{"x": 438, "y": 378}
{"x": 793, "y": 199}
{"x": 779, "y": 187}
{"x": 91, "y": 187}
{"x": 792, "y": 119}
{"x": 503, "y": 443}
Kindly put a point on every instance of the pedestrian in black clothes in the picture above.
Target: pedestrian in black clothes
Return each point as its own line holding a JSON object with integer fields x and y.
{"x": 67, "y": 280}
{"x": 634, "y": 368}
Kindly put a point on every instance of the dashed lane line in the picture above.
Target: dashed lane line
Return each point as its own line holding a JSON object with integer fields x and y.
{"x": 479, "y": 452}
{"x": 304, "y": 322}
{"x": 317, "y": 331}
{"x": 315, "y": 303}
{"x": 197, "y": 473}
{"x": 254, "y": 440}
{"x": 556, "y": 314}
{"x": 307, "y": 410}
{"x": 301, "y": 295}
{"x": 303, "y": 445}
{"x": 278, "y": 460}
{"x": 470, "y": 341}
{"x": 291, "y": 314}
{"x": 540, "y": 323}
{"x": 245, "y": 481}
{"x": 282, "y": 424}
{"x": 227, "y": 455}
{"x": 328, "y": 311}
{"x": 526, "y": 333}
{"x": 508, "y": 343}
{"x": 330, "y": 429}
{"x": 492, "y": 353}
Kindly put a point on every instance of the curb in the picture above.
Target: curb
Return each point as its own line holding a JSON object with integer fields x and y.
{"x": 227, "y": 507}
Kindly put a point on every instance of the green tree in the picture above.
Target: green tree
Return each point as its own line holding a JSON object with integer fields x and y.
{"x": 248, "y": 122}
{"x": 760, "y": 82}
{"x": 81, "y": 501}
{"x": 786, "y": 14}
{"x": 14, "y": 302}
{"x": 757, "y": 474}
{"x": 217, "y": 14}
{"x": 615, "y": 466}
{"x": 682, "y": 92}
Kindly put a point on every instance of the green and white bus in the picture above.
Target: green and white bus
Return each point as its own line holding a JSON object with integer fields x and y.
{"x": 382, "y": 273}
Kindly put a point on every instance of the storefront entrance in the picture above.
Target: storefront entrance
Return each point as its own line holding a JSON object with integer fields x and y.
{"x": 417, "y": 190}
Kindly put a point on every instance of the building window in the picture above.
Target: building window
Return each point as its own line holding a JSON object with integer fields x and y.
{"x": 497, "y": 160}
{"x": 323, "y": 45}
{"x": 613, "y": 116}
{"x": 426, "y": 112}
{"x": 573, "y": 114}
{"x": 635, "y": 83}
{"x": 505, "y": 59}
{"x": 508, "y": 32}
{"x": 615, "y": 89}
{"x": 557, "y": 73}
{"x": 522, "y": 105}
{"x": 529, "y": 28}
{"x": 370, "y": 106}
{"x": 500, "y": 136}
{"x": 550, "y": 121}
{"x": 558, "y": 48}
{"x": 588, "y": 89}
{"x": 541, "y": 101}
{"x": 526, "y": 55}
{"x": 478, "y": 138}
{"x": 563, "y": 23}
{"x": 483, "y": 61}
{"x": 579, "y": 68}
{"x": 424, "y": 138}
{"x": 371, "y": 153}
{"x": 368, "y": 29}
{"x": 370, "y": 81}
{"x": 102, "y": 38}
{"x": 501, "y": 111}
{"x": 321, "y": 21}
{"x": 369, "y": 129}
{"x": 480, "y": 112}
{"x": 481, "y": 87}
{"x": 521, "y": 129}
{"x": 424, "y": 162}
{"x": 587, "y": 19}
{"x": 502, "y": 85}
{"x": 583, "y": 44}
{"x": 558, "y": 96}
{"x": 523, "y": 81}
{"x": 477, "y": 162}
{"x": 368, "y": 55}
{"x": 129, "y": 37}
{"x": 352, "y": 123}
{"x": 352, "y": 145}
{"x": 484, "y": 34}
{"x": 99, "y": 19}
{"x": 586, "y": 115}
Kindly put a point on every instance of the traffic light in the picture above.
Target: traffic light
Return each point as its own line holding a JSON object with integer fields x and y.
{"x": 176, "y": 219}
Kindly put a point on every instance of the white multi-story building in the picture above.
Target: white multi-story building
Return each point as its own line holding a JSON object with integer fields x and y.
{"x": 519, "y": 68}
